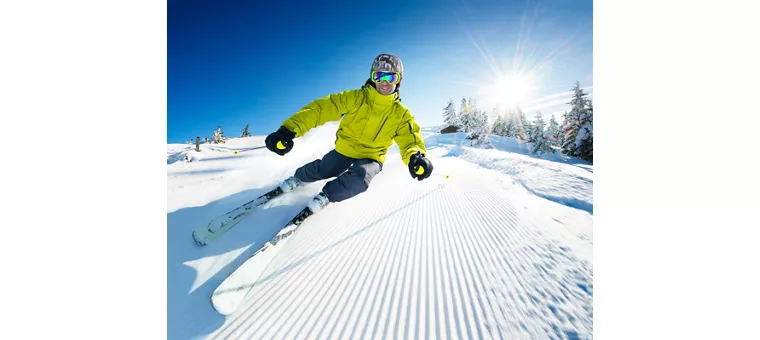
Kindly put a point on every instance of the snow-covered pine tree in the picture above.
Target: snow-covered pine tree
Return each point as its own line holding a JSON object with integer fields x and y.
{"x": 467, "y": 121}
{"x": 574, "y": 119}
{"x": 584, "y": 141}
{"x": 245, "y": 132}
{"x": 479, "y": 128}
{"x": 507, "y": 129}
{"x": 471, "y": 104}
{"x": 538, "y": 138}
{"x": 509, "y": 124}
{"x": 218, "y": 137}
{"x": 450, "y": 117}
{"x": 521, "y": 125}
{"x": 527, "y": 125}
{"x": 492, "y": 120}
{"x": 483, "y": 129}
{"x": 471, "y": 122}
{"x": 561, "y": 132}
{"x": 552, "y": 132}
{"x": 498, "y": 127}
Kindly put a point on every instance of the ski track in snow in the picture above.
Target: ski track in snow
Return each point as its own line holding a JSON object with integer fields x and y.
{"x": 387, "y": 271}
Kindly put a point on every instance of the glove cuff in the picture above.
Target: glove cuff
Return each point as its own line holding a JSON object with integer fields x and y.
{"x": 283, "y": 130}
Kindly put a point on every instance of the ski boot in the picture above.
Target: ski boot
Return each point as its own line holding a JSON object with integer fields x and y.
{"x": 290, "y": 183}
{"x": 318, "y": 203}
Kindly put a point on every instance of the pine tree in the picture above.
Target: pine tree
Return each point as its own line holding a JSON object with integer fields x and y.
{"x": 245, "y": 132}
{"x": 466, "y": 119}
{"x": 552, "y": 132}
{"x": 469, "y": 121}
{"x": 574, "y": 120}
{"x": 561, "y": 133}
{"x": 527, "y": 125}
{"x": 521, "y": 125}
{"x": 218, "y": 137}
{"x": 537, "y": 136}
{"x": 479, "y": 128}
{"x": 471, "y": 104}
{"x": 483, "y": 129}
{"x": 585, "y": 138}
{"x": 509, "y": 124}
{"x": 450, "y": 117}
{"x": 498, "y": 127}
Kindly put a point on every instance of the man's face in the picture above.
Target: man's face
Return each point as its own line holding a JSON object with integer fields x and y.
{"x": 385, "y": 88}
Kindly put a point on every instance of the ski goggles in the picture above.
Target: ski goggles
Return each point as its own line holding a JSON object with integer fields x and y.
{"x": 389, "y": 77}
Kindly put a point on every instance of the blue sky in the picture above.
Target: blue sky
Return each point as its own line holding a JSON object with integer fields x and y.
{"x": 233, "y": 63}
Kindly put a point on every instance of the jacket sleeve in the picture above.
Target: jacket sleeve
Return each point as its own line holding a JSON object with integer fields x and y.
{"x": 323, "y": 110}
{"x": 409, "y": 139}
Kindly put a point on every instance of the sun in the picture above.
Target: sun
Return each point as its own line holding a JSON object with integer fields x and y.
{"x": 509, "y": 90}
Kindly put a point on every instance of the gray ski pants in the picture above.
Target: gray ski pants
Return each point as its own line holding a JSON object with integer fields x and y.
{"x": 353, "y": 175}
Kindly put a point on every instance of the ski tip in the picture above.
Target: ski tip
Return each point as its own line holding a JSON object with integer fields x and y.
{"x": 198, "y": 242}
{"x": 222, "y": 308}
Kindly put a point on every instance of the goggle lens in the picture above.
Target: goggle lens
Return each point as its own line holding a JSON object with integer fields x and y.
{"x": 389, "y": 77}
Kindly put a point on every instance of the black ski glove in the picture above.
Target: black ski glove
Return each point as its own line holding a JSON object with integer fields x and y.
{"x": 280, "y": 141}
{"x": 420, "y": 167}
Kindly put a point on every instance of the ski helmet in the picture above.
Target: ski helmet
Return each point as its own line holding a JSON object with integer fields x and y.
{"x": 388, "y": 63}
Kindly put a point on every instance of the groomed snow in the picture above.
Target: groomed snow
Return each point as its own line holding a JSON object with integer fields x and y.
{"x": 497, "y": 244}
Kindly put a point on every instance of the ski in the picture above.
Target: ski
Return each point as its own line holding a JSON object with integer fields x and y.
{"x": 220, "y": 225}
{"x": 232, "y": 291}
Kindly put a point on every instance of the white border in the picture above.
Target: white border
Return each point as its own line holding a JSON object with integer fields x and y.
{"x": 83, "y": 106}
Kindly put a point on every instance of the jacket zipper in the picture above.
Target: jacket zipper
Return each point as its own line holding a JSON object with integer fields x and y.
{"x": 380, "y": 129}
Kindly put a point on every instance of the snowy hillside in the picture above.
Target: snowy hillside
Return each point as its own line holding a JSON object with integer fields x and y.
{"x": 496, "y": 244}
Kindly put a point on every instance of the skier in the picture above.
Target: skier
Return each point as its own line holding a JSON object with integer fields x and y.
{"x": 372, "y": 119}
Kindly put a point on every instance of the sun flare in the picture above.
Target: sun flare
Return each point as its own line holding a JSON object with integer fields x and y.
{"x": 509, "y": 90}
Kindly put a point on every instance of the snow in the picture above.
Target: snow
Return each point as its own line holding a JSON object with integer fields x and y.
{"x": 497, "y": 243}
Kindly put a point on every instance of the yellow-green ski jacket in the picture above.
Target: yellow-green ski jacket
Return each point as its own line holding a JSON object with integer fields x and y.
{"x": 371, "y": 123}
